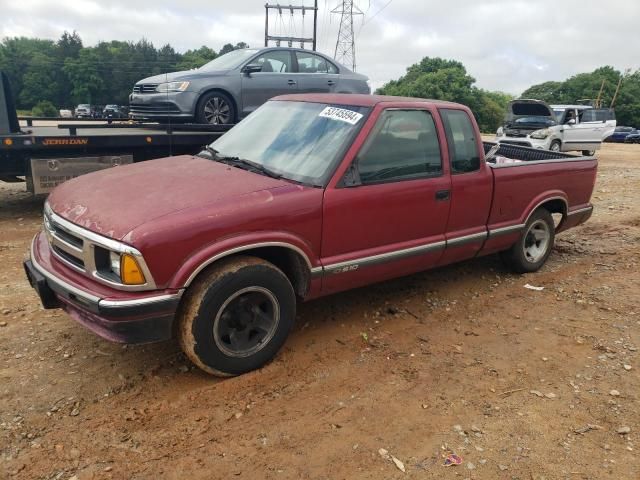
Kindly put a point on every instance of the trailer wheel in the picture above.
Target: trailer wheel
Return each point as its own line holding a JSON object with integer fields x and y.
{"x": 215, "y": 108}
{"x": 555, "y": 146}
{"x": 236, "y": 316}
{"x": 533, "y": 248}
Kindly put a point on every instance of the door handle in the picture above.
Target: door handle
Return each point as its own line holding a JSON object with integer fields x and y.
{"x": 442, "y": 195}
{"x": 331, "y": 82}
{"x": 292, "y": 82}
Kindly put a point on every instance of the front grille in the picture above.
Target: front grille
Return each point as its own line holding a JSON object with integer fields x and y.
{"x": 145, "y": 88}
{"x": 88, "y": 252}
{"x": 156, "y": 108}
{"x": 516, "y": 142}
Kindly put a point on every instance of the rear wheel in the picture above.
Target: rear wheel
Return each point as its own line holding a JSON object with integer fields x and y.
{"x": 531, "y": 251}
{"x": 236, "y": 316}
{"x": 555, "y": 146}
{"x": 215, "y": 108}
{"x": 588, "y": 153}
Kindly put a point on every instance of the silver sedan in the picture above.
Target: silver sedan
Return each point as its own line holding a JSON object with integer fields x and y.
{"x": 233, "y": 85}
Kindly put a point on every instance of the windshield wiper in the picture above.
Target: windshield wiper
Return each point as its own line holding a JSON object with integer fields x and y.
{"x": 239, "y": 162}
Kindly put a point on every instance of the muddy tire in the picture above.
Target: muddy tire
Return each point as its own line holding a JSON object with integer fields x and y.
{"x": 236, "y": 316}
{"x": 533, "y": 248}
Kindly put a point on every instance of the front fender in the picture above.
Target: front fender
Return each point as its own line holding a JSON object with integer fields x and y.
{"x": 213, "y": 252}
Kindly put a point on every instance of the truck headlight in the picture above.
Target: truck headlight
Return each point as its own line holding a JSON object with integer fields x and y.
{"x": 172, "y": 87}
{"x": 125, "y": 267}
{"x": 540, "y": 134}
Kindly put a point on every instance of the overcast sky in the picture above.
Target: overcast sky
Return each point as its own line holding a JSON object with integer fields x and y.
{"x": 506, "y": 45}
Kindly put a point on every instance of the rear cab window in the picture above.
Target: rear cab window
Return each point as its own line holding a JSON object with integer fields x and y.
{"x": 461, "y": 140}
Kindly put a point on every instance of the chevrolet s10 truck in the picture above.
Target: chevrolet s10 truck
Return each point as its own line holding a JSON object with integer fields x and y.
{"x": 310, "y": 195}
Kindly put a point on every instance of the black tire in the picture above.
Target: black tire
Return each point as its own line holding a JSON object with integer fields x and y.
{"x": 235, "y": 298}
{"x": 533, "y": 248}
{"x": 555, "y": 146}
{"x": 215, "y": 108}
{"x": 588, "y": 153}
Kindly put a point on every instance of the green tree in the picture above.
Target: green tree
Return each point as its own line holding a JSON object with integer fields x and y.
{"x": 441, "y": 79}
{"x": 44, "y": 108}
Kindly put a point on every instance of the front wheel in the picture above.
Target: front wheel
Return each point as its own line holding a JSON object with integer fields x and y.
{"x": 215, "y": 108}
{"x": 236, "y": 316}
{"x": 555, "y": 146}
{"x": 533, "y": 248}
{"x": 588, "y": 153}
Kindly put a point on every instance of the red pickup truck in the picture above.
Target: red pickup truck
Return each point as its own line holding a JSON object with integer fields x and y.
{"x": 310, "y": 195}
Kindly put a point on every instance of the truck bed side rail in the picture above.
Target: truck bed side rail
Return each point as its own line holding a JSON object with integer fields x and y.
{"x": 525, "y": 153}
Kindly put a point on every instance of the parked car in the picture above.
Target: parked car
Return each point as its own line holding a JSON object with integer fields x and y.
{"x": 620, "y": 134}
{"x": 633, "y": 137}
{"x": 310, "y": 195}
{"x": 64, "y": 113}
{"x": 559, "y": 128}
{"x": 113, "y": 111}
{"x": 84, "y": 110}
{"x": 233, "y": 85}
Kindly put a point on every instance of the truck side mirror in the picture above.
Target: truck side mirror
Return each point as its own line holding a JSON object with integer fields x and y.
{"x": 251, "y": 68}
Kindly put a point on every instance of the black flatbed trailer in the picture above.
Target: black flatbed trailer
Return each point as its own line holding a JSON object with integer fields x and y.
{"x": 75, "y": 144}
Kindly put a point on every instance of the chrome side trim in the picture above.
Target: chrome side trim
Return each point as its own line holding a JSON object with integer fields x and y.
{"x": 140, "y": 301}
{"x": 541, "y": 162}
{"x": 496, "y": 232}
{"x": 351, "y": 265}
{"x": 87, "y": 297}
{"x": 580, "y": 211}
{"x": 243, "y": 248}
{"x": 459, "y": 241}
{"x": 316, "y": 272}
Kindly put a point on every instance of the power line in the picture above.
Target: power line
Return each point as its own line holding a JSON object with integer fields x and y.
{"x": 345, "y": 51}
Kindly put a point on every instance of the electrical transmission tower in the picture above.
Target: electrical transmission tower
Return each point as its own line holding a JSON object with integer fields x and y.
{"x": 346, "y": 45}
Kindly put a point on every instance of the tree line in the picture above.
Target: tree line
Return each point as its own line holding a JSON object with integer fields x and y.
{"x": 442, "y": 79}
{"x": 64, "y": 73}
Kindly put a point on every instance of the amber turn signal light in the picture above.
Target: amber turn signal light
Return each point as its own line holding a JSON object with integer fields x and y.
{"x": 130, "y": 271}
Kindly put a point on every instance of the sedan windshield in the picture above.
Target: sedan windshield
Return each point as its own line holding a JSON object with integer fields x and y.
{"x": 229, "y": 60}
{"x": 299, "y": 141}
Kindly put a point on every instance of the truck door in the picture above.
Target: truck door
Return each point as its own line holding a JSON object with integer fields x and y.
{"x": 275, "y": 78}
{"x": 471, "y": 187}
{"x": 387, "y": 216}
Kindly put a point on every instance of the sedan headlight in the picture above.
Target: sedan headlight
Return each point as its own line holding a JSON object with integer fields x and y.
{"x": 540, "y": 134}
{"x": 172, "y": 87}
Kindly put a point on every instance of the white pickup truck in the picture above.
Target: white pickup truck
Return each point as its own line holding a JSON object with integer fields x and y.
{"x": 559, "y": 128}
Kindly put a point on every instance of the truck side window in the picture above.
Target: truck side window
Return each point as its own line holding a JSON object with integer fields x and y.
{"x": 461, "y": 138}
{"x": 402, "y": 146}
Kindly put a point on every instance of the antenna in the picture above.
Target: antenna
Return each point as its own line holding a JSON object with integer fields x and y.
{"x": 345, "y": 52}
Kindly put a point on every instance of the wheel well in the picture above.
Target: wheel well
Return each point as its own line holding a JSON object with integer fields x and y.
{"x": 221, "y": 90}
{"x": 557, "y": 206}
{"x": 292, "y": 264}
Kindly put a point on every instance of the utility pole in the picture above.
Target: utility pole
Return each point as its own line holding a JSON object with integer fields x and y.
{"x": 286, "y": 38}
{"x": 345, "y": 52}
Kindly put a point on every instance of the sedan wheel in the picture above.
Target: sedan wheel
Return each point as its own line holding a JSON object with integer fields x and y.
{"x": 215, "y": 108}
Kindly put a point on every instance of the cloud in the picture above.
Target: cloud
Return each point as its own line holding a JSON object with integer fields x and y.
{"x": 506, "y": 45}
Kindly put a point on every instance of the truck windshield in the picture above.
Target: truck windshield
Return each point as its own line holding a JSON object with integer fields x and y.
{"x": 299, "y": 141}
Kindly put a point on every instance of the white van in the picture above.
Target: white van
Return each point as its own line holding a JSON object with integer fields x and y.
{"x": 564, "y": 128}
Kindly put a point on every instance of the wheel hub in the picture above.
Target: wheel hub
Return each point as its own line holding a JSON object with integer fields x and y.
{"x": 246, "y": 321}
{"x": 536, "y": 241}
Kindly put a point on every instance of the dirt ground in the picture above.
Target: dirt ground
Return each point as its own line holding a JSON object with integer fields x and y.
{"x": 521, "y": 384}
